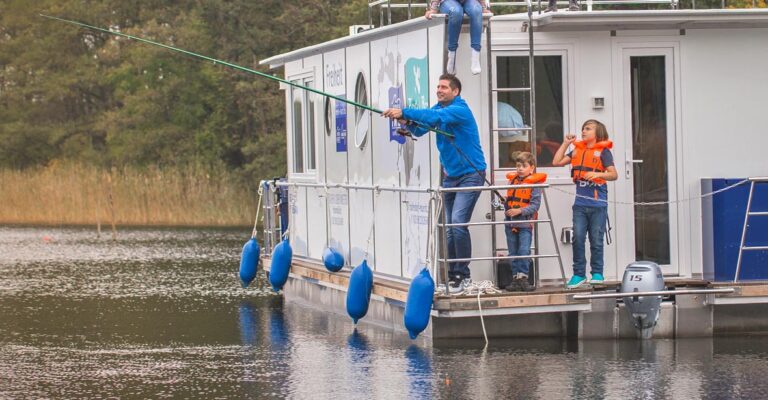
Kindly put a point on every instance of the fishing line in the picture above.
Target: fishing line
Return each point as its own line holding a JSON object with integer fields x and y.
{"x": 263, "y": 75}
{"x": 238, "y": 67}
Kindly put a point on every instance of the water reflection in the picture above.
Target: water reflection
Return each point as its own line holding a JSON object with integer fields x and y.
{"x": 419, "y": 372}
{"x": 249, "y": 322}
{"x": 82, "y": 317}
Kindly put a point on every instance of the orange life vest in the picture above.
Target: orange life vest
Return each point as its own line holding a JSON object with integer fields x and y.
{"x": 520, "y": 198}
{"x": 585, "y": 160}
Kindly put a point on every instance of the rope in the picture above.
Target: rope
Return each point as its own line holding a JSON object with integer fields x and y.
{"x": 478, "y": 288}
{"x": 653, "y": 203}
{"x": 291, "y": 204}
{"x": 376, "y": 192}
{"x": 327, "y": 218}
{"x": 432, "y": 205}
{"x": 258, "y": 208}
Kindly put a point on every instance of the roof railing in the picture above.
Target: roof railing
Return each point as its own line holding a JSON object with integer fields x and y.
{"x": 416, "y": 9}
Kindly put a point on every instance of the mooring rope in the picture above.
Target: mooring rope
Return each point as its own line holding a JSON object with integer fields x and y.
{"x": 376, "y": 192}
{"x": 652, "y": 203}
{"x": 258, "y": 208}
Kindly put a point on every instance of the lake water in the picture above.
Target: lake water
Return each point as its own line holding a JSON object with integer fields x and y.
{"x": 160, "y": 314}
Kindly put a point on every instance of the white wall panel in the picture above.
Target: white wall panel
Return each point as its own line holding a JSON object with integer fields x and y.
{"x": 297, "y": 200}
{"x": 336, "y": 142}
{"x": 361, "y": 221}
{"x": 387, "y": 233}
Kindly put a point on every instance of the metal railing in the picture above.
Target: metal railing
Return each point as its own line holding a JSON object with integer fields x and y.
{"x": 443, "y": 226}
{"x": 272, "y": 228}
{"x": 416, "y": 9}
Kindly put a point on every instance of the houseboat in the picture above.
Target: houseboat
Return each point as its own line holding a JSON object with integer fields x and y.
{"x": 683, "y": 94}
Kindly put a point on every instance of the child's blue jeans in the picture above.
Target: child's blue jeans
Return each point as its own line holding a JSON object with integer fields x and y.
{"x": 455, "y": 10}
{"x": 519, "y": 244}
{"x": 588, "y": 221}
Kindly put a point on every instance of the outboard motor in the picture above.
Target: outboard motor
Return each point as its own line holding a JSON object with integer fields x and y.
{"x": 643, "y": 276}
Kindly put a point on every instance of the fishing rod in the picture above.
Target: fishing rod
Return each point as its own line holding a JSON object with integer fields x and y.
{"x": 238, "y": 67}
{"x": 274, "y": 78}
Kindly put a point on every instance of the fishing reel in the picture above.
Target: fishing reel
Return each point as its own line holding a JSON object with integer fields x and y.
{"x": 497, "y": 205}
{"x": 405, "y": 132}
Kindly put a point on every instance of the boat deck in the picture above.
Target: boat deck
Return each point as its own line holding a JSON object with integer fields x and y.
{"x": 543, "y": 299}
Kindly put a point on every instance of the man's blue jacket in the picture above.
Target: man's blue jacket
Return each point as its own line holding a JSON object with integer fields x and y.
{"x": 455, "y": 118}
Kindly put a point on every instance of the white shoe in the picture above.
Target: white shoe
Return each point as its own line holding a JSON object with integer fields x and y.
{"x": 475, "y": 62}
{"x": 450, "y": 66}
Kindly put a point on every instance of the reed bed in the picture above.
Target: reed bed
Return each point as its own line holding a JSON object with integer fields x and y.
{"x": 79, "y": 195}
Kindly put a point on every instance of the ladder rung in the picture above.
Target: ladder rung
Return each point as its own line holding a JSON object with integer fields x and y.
{"x": 758, "y": 213}
{"x": 524, "y": 89}
{"x": 754, "y": 248}
{"x": 511, "y": 129}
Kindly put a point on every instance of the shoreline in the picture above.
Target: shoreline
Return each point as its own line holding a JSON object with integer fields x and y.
{"x": 81, "y": 195}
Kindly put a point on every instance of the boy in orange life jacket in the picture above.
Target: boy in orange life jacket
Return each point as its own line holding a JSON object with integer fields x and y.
{"x": 521, "y": 205}
{"x": 591, "y": 166}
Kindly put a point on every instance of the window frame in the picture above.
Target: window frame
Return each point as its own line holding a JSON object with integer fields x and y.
{"x": 309, "y": 119}
{"x": 360, "y": 112}
{"x": 567, "y": 88}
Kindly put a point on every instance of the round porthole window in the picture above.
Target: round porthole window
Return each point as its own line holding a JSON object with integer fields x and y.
{"x": 362, "y": 116}
{"x": 329, "y": 122}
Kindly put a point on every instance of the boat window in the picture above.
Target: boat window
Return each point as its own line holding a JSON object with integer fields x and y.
{"x": 310, "y": 134}
{"x": 303, "y": 127}
{"x": 329, "y": 116}
{"x": 362, "y": 116}
{"x": 297, "y": 100}
{"x": 513, "y": 109}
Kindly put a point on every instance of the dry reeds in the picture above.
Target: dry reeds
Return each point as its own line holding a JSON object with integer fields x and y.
{"x": 78, "y": 194}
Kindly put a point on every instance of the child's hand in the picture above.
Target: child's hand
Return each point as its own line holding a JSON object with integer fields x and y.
{"x": 590, "y": 176}
{"x": 513, "y": 212}
{"x": 569, "y": 139}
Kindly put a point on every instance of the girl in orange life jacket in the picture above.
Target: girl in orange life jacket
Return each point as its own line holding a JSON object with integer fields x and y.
{"x": 522, "y": 204}
{"x": 591, "y": 166}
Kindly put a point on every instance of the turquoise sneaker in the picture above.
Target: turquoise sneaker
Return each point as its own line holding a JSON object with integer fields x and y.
{"x": 576, "y": 281}
{"x": 597, "y": 279}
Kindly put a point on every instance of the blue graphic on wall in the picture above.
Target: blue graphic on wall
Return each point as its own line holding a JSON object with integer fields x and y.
{"x": 416, "y": 83}
{"x": 341, "y": 126}
{"x": 395, "y": 101}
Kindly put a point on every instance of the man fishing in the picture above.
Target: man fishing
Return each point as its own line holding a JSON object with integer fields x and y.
{"x": 462, "y": 160}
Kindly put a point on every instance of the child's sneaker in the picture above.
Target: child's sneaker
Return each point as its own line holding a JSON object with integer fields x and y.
{"x": 522, "y": 283}
{"x": 576, "y": 281}
{"x": 597, "y": 279}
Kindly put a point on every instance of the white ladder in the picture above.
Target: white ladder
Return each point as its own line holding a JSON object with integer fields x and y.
{"x": 747, "y": 214}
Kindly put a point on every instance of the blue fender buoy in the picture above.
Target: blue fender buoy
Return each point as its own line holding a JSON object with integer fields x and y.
{"x": 249, "y": 262}
{"x": 332, "y": 259}
{"x": 418, "y": 306}
{"x": 281, "y": 265}
{"x": 359, "y": 291}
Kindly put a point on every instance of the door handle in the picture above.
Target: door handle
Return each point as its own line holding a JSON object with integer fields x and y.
{"x": 629, "y": 164}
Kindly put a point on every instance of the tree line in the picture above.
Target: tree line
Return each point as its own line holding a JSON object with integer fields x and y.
{"x": 72, "y": 94}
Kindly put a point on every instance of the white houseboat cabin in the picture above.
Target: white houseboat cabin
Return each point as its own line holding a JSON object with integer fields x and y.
{"x": 682, "y": 93}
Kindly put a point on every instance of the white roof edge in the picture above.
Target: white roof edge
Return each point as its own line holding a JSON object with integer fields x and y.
{"x": 603, "y": 20}
{"x": 345, "y": 41}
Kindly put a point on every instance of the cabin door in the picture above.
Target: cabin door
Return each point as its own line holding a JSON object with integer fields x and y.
{"x": 645, "y": 158}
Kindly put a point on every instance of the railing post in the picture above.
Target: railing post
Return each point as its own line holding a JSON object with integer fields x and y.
{"x": 370, "y": 17}
{"x": 444, "y": 244}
